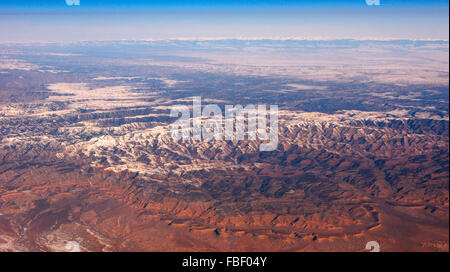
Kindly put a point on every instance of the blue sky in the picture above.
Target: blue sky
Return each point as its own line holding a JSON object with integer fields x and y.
{"x": 217, "y": 4}
{"x": 53, "y": 20}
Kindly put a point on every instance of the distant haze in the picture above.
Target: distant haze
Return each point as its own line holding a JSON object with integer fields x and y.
{"x": 24, "y": 21}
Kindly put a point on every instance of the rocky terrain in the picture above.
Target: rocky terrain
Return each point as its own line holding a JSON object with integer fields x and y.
{"x": 86, "y": 157}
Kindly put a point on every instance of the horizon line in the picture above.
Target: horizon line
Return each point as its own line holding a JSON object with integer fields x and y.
{"x": 239, "y": 38}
